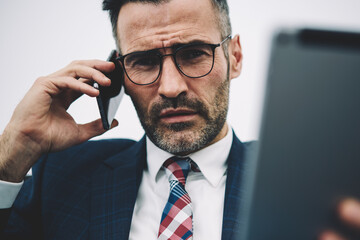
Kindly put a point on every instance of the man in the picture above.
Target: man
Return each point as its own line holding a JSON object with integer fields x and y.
{"x": 178, "y": 58}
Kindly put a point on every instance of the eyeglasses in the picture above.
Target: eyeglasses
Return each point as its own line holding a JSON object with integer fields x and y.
{"x": 194, "y": 60}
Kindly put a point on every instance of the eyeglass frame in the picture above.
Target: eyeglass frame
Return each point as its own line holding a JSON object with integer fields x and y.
{"x": 175, "y": 50}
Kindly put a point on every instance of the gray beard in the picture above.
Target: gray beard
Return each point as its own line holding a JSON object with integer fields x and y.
{"x": 188, "y": 141}
{"x": 187, "y": 144}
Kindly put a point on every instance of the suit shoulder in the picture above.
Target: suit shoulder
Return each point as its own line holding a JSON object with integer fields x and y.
{"x": 246, "y": 146}
{"x": 104, "y": 147}
{"x": 90, "y": 153}
{"x": 108, "y": 145}
{"x": 251, "y": 144}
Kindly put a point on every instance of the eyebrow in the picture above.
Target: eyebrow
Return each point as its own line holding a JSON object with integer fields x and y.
{"x": 174, "y": 47}
{"x": 177, "y": 45}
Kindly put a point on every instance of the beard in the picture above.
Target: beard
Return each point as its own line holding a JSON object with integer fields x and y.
{"x": 186, "y": 137}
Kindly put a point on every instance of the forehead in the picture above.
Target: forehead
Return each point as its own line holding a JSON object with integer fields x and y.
{"x": 144, "y": 26}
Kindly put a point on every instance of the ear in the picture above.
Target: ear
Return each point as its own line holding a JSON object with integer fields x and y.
{"x": 124, "y": 85}
{"x": 235, "y": 57}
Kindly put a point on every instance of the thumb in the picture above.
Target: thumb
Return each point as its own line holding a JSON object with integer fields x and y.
{"x": 93, "y": 129}
{"x": 114, "y": 123}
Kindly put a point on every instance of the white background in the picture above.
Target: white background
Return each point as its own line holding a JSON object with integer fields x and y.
{"x": 38, "y": 37}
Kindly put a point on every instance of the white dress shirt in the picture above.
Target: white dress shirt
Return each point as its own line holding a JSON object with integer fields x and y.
{"x": 8, "y": 193}
{"x": 206, "y": 190}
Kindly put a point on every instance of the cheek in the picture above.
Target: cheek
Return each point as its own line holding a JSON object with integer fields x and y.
{"x": 211, "y": 83}
{"x": 141, "y": 96}
{"x": 220, "y": 68}
{"x": 218, "y": 75}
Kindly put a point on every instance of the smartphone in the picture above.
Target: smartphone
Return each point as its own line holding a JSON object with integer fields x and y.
{"x": 110, "y": 97}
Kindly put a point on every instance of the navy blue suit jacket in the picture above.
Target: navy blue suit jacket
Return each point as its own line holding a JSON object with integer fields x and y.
{"x": 89, "y": 192}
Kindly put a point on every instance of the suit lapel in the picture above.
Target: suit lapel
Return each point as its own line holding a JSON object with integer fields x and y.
{"x": 232, "y": 191}
{"x": 114, "y": 191}
{"x": 115, "y": 185}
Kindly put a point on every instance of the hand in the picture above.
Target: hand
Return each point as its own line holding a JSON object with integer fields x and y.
{"x": 349, "y": 213}
{"x": 40, "y": 122}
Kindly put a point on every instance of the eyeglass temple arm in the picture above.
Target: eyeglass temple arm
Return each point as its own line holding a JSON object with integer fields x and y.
{"x": 228, "y": 37}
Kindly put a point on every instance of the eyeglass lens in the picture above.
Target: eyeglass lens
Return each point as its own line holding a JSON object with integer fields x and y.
{"x": 193, "y": 61}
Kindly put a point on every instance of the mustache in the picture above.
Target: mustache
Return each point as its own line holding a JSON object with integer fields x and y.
{"x": 182, "y": 101}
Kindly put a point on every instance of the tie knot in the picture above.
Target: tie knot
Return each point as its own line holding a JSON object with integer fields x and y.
{"x": 177, "y": 169}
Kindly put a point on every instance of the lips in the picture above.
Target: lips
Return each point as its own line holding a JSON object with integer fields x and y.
{"x": 177, "y": 115}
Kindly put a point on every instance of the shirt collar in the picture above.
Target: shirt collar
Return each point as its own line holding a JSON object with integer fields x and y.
{"x": 210, "y": 160}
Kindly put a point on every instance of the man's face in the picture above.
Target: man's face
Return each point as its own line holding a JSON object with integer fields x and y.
{"x": 179, "y": 114}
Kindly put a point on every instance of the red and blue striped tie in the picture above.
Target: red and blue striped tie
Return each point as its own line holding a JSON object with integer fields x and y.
{"x": 176, "y": 220}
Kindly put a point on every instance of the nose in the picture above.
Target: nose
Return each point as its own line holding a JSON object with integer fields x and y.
{"x": 171, "y": 82}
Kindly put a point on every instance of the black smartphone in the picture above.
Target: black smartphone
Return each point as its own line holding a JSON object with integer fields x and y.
{"x": 110, "y": 97}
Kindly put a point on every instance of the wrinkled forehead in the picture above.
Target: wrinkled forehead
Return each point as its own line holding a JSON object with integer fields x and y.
{"x": 143, "y": 26}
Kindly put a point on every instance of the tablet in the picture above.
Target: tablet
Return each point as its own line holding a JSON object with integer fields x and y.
{"x": 309, "y": 145}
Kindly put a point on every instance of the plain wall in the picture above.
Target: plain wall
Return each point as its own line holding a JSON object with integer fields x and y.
{"x": 39, "y": 37}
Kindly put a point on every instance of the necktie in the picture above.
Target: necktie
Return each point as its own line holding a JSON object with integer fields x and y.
{"x": 176, "y": 220}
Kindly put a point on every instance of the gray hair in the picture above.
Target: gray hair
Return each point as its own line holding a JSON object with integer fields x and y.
{"x": 221, "y": 7}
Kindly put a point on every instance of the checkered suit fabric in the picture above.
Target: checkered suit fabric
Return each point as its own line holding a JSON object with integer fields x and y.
{"x": 90, "y": 190}
{"x": 176, "y": 220}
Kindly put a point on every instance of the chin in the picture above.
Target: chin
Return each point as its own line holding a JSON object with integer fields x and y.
{"x": 180, "y": 142}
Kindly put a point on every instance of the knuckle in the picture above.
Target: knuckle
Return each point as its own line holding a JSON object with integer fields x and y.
{"x": 75, "y": 62}
{"x": 40, "y": 80}
{"x": 94, "y": 74}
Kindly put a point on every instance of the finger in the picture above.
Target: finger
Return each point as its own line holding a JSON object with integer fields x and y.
{"x": 56, "y": 85}
{"x": 103, "y": 66}
{"x": 330, "y": 235}
{"x": 89, "y": 73}
{"x": 71, "y": 96}
{"x": 349, "y": 211}
{"x": 89, "y": 69}
{"x": 86, "y": 80}
{"x": 93, "y": 129}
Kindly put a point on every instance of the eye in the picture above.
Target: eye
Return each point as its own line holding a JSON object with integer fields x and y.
{"x": 194, "y": 53}
{"x": 145, "y": 61}
{"x": 142, "y": 60}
